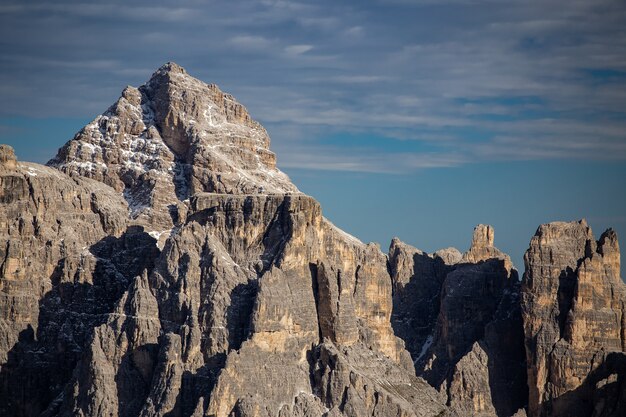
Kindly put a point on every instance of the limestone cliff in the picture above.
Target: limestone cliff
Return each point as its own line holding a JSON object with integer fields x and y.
{"x": 190, "y": 277}
{"x": 65, "y": 257}
{"x": 573, "y": 305}
{"x": 459, "y": 315}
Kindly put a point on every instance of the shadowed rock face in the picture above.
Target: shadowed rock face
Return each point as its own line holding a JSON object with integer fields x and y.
{"x": 229, "y": 322}
{"x": 66, "y": 256}
{"x": 573, "y": 308}
{"x": 459, "y": 316}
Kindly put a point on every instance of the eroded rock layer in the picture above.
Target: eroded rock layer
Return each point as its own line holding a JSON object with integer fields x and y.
{"x": 66, "y": 255}
{"x": 190, "y": 277}
{"x": 573, "y": 304}
{"x": 459, "y": 315}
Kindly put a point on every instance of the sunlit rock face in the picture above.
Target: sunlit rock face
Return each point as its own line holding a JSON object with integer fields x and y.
{"x": 173, "y": 137}
{"x": 573, "y": 303}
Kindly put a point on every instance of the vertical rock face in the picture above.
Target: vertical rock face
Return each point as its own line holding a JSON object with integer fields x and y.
{"x": 459, "y": 316}
{"x": 244, "y": 323}
{"x": 63, "y": 263}
{"x": 417, "y": 282}
{"x": 573, "y": 308}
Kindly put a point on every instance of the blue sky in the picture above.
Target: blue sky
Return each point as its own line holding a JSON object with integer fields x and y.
{"x": 409, "y": 118}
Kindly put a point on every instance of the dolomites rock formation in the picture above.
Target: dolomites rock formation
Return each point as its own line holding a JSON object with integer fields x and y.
{"x": 573, "y": 304}
{"x": 7, "y": 157}
{"x": 161, "y": 265}
{"x": 183, "y": 274}
{"x": 66, "y": 255}
{"x": 173, "y": 137}
{"x": 459, "y": 315}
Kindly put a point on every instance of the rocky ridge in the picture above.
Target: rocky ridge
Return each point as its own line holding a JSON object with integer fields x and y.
{"x": 252, "y": 304}
{"x": 162, "y": 265}
{"x": 460, "y": 316}
{"x": 169, "y": 139}
{"x": 573, "y": 305}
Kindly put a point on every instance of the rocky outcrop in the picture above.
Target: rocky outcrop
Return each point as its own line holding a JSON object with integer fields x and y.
{"x": 345, "y": 385}
{"x": 417, "y": 282}
{"x": 240, "y": 306}
{"x": 460, "y": 318}
{"x": 573, "y": 304}
{"x": 66, "y": 254}
{"x": 7, "y": 157}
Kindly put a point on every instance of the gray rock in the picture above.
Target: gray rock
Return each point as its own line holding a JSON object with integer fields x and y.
{"x": 573, "y": 305}
{"x": 227, "y": 314}
{"x": 166, "y": 267}
{"x": 169, "y": 139}
{"x": 460, "y": 318}
{"x": 7, "y": 157}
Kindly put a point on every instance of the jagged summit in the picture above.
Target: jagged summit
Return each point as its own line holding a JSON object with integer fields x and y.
{"x": 7, "y": 157}
{"x": 170, "y": 67}
{"x": 483, "y": 249}
{"x": 169, "y": 139}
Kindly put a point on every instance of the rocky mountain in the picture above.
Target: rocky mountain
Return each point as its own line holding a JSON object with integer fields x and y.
{"x": 573, "y": 306}
{"x": 169, "y": 139}
{"x": 461, "y": 318}
{"x": 161, "y": 265}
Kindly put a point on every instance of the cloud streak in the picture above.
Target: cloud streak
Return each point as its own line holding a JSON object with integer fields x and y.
{"x": 524, "y": 80}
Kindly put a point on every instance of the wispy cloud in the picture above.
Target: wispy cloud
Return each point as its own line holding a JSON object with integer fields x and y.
{"x": 298, "y": 49}
{"x": 251, "y": 43}
{"x": 363, "y": 160}
{"x": 123, "y": 11}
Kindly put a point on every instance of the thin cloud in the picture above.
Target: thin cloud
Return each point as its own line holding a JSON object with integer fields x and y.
{"x": 146, "y": 13}
{"x": 251, "y": 42}
{"x": 522, "y": 80}
{"x": 335, "y": 159}
{"x": 298, "y": 49}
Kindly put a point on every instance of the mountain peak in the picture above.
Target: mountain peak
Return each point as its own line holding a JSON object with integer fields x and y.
{"x": 169, "y": 139}
{"x": 8, "y": 160}
{"x": 482, "y": 249}
{"x": 170, "y": 67}
{"x": 483, "y": 236}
